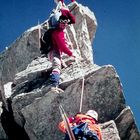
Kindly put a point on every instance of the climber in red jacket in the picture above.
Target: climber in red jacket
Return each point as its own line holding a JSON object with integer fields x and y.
{"x": 59, "y": 45}
{"x": 91, "y": 118}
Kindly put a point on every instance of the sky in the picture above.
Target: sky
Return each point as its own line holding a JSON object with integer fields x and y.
{"x": 117, "y": 40}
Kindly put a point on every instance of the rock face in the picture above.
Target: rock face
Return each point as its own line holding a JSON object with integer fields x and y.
{"x": 13, "y": 60}
{"x": 36, "y": 109}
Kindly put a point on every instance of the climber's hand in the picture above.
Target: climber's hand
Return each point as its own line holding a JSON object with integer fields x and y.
{"x": 73, "y": 58}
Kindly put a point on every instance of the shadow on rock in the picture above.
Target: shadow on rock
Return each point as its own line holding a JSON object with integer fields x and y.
{"x": 11, "y": 128}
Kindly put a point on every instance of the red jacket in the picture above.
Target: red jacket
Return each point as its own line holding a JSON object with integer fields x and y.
{"x": 58, "y": 39}
{"x": 59, "y": 42}
{"x": 82, "y": 118}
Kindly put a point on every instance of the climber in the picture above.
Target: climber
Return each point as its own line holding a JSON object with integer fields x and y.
{"x": 59, "y": 46}
{"x": 61, "y": 10}
{"x": 56, "y": 13}
{"x": 84, "y": 126}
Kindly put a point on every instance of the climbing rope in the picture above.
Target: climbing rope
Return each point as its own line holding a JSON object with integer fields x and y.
{"x": 82, "y": 93}
{"x": 83, "y": 79}
{"x": 66, "y": 122}
{"x": 39, "y": 34}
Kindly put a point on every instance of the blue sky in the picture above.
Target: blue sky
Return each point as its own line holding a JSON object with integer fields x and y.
{"x": 117, "y": 39}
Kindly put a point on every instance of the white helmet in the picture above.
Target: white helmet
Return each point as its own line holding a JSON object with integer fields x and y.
{"x": 93, "y": 114}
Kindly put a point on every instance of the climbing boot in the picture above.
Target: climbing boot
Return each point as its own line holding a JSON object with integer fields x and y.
{"x": 56, "y": 90}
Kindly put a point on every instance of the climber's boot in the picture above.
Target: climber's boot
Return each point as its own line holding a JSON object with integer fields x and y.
{"x": 57, "y": 90}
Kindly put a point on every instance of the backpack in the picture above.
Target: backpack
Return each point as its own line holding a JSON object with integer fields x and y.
{"x": 82, "y": 132}
{"x": 54, "y": 18}
{"x": 45, "y": 42}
